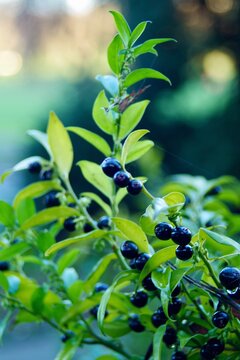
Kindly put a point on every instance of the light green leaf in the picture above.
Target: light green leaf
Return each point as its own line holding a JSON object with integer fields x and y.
{"x": 158, "y": 343}
{"x": 175, "y": 201}
{"x": 44, "y": 240}
{"x": 3, "y": 324}
{"x": 35, "y": 190}
{"x": 133, "y": 232}
{"x": 60, "y": 145}
{"x": 110, "y": 83}
{"x": 13, "y": 250}
{"x": 131, "y": 117}
{"x": 121, "y": 193}
{"x": 48, "y": 215}
{"x": 107, "y": 357}
{"x": 68, "y": 350}
{"x": 99, "y": 201}
{"x": 138, "y": 150}
{"x": 97, "y": 141}
{"x": 137, "y": 32}
{"x": 176, "y": 277}
{"x": 115, "y": 60}
{"x": 3, "y": 281}
{"x": 130, "y": 141}
{"x": 42, "y": 138}
{"x": 115, "y": 329}
{"x": 159, "y": 258}
{"x": 102, "y": 118}
{"x": 25, "y": 210}
{"x": 6, "y": 214}
{"x": 93, "y": 173}
{"x": 68, "y": 259}
{"x": 221, "y": 239}
{"x": 122, "y": 26}
{"x": 144, "y": 73}
{"x": 149, "y": 45}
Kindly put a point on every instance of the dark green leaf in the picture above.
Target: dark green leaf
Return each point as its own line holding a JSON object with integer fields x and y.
{"x": 158, "y": 343}
{"x": 44, "y": 240}
{"x": 144, "y": 73}
{"x": 37, "y": 300}
{"x": 116, "y": 328}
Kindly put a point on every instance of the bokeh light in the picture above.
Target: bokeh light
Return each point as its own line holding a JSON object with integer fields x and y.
{"x": 220, "y": 6}
{"x": 10, "y": 63}
{"x": 219, "y": 66}
{"x": 80, "y": 7}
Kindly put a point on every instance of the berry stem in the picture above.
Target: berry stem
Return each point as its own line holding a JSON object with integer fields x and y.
{"x": 147, "y": 193}
{"x": 210, "y": 269}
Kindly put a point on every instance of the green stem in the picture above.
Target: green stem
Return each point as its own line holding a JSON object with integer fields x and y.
{"x": 210, "y": 269}
{"x": 147, "y": 193}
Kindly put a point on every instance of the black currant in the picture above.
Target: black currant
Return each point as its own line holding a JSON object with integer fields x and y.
{"x": 179, "y": 355}
{"x": 129, "y": 249}
{"x": 51, "y": 199}
{"x": 104, "y": 223}
{"x": 181, "y": 235}
{"x": 94, "y": 311}
{"x": 135, "y": 324}
{"x": 174, "y": 307}
{"x": 110, "y": 166}
{"x": 35, "y": 167}
{"x": 4, "y": 265}
{"x": 67, "y": 335}
{"x": 220, "y": 319}
{"x": 139, "y": 299}
{"x": 205, "y": 353}
{"x": 214, "y": 191}
{"x": 159, "y": 318}
{"x": 163, "y": 231}
{"x": 235, "y": 295}
{"x": 134, "y": 187}
{"x": 100, "y": 287}
{"x": 121, "y": 179}
{"x": 70, "y": 224}
{"x": 87, "y": 228}
{"x": 46, "y": 174}
{"x": 176, "y": 291}
{"x": 132, "y": 264}
{"x": 148, "y": 284}
{"x": 141, "y": 260}
{"x": 184, "y": 252}
{"x": 215, "y": 346}
{"x": 71, "y": 205}
{"x": 230, "y": 278}
{"x": 170, "y": 336}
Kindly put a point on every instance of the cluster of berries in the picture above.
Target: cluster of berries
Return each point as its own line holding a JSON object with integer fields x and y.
{"x": 112, "y": 168}
{"x": 180, "y": 235}
{"x": 36, "y": 168}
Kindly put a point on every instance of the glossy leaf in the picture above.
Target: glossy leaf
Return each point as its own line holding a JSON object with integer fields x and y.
{"x": 115, "y": 60}
{"x": 131, "y": 117}
{"x": 7, "y": 217}
{"x": 68, "y": 350}
{"x": 130, "y": 141}
{"x": 60, "y": 145}
{"x": 149, "y": 46}
{"x": 3, "y": 282}
{"x": 25, "y": 210}
{"x": 67, "y": 260}
{"x": 37, "y": 299}
{"x": 97, "y": 141}
{"x": 42, "y": 138}
{"x": 144, "y": 73}
{"x": 102, "y": 118}
{"x": 221, "y": 239}
{"x": 158, "y": 343}
{"x": 44, "y": 240}
{"x": 138, "y": 150}
{"x": 175, "y": 201}
{"x": 122, "y": 26}
{"x": 110, "y": 83}
{"x": 13, "y": 250}
{"x": 99, "y": 201}
{"x": 137, "y": 32}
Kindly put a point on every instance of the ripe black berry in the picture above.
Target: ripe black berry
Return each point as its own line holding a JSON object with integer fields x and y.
{"x": 110, "y": 166}
{"x": 135, "y": 324}
{"x": 139, "y": 299}
{"x": 220, "y": 319}
{"x": 205, "y": 353}
{"x": 230, "y": 278}
{"x": 235, "y": 295}
{"x": 100, "y": 287}
{"x": 141, "y": 260}
{"x": 134, "y": 187}
{"x": 70, "y": 224}
{"x": 68, "y": 335}
{"x": 35, "y": 167}
{"x": 94, "y": 311}
{"x": 148, "y": 284}
{"x": 174, "y": 307}
{"x": 163, "y": 231}
{"x": 4, "y": 266}
{"x": 214, "y": 346}
{"x": 129, "y": 249}
{"x": 51, "y": 199}
{"x": 179, "y": 355}
{"x": 46, "y": 175}
{"x": 132, "y": 264}
{"x": 214, "y": 191}
{"x": 181, "y": 235}
{"x": 121, "y": 179}
{"x": 176, "y": 290}
{"x": 87, "y": 228}
{"x": 184, "y": 252}
{"x": 104, "y": 223}
{"x": 159, "y": 318}
{"x": 170, "y": 336}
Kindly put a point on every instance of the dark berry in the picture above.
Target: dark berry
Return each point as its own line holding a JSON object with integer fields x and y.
{"x": 100, "y": 287}
{"x": 214, "y": 191}
{"x": 230, "y": 278}
{"x": 159, "y": 318}
{"x": 205, "y": 353}
{"x": 176, "y": 290}
{"x": 214, "y": 346}
{"x": 181, "y": 235}
{"x": 170, "y": 336}
{"x": 135, "y": 324}
{"x": 148, "y": 284}
{"x": 163, "y": 231}
{"x": 184, "y": 252}
{"x": 35, "y": 167}
{"x": 121, "y": 179}
{"x": 139, "y": 299}
{"x": 94, "y": 311}
{"x": 110, "y": 166}
{"x": 70, "y": 224}
{"x": 46, "y": 175}
{"x": 104, "y": 223}
{"x": 134, "y": 187}
{"x": 67, "y": 335}
{"x": 87, "y": 228}
{"x": 174, "y": 307}
{"x": 179, "y": 355}
{"x": 4, "y": 266}
{"x": 129, "y": 249}
{"x": 235, "y": 295}
{"x": 51, "y": 199}
{"x": 187, "y": 200}
{"x": 141, "y": 260}
{"x": 71, "y": 205}
{"x": 132, "y": 264}
{"x": 220, "y": 319}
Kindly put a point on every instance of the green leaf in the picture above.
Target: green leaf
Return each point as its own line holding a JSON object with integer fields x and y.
{"x": 68, "y": 350}
{"x": 144, "y": 73}
{"x": 110, "y": 83}
{"x": 67, "y": 260}
{"x": 138, "y": 150}
{"x": 158, "y": 343}
{"x": 97, "y": 272}
{"x": 159, "y": 258}
{"x": 122, "y": 26}
{"x": 95, "y": 234}
{"x": 102, "y": 118}
{"x": 48, "y": 215}
{"x": 97, "y": 141}
{"x": 149, "y": 45}
{"x": 3, "y": 324}
{"x": 3, "y": 282}
{"x": 107, "y": 357}
{"x": 94, "y": 175}
{"x": 60, "y": 145}
{"x": 99, "y": 201}
{"x": 6, "y": 214}
{"x": 131, "y": 117}
{"x": 221, "y": 239}
{"x": 25, "y": 210}
{"x": 35, "y": 190}
{"x": 44, "y": 240}
{"x": 116, "y": 329}
{"x": 176, "y": 277}
{"x": 175, "y": 201}
{"x": 130, "y": 141}
{"x": 37, "y": 300}
{"x": 133, "y": 232}
{"x": 137, "y": 32}
{"x": 115, "y": 60}
{"x": 42, "y": 138}
{"x": 13, "y": 250}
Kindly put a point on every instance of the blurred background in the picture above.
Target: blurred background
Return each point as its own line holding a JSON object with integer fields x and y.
{"x": 50, "y": 52}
